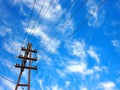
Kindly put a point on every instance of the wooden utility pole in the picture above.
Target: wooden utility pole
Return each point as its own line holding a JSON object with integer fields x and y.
{"x": 26, "y": 57}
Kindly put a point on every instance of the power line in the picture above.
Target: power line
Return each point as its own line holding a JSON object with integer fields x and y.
{"x": 71, "y": 15}
{"x": 79, "y": 27}
{"x": 43, "y": 16}
{"x": 69, "y": 18}
{"x": 7, "y": 79}
{"x": 67, "y": 10}
{"x": 74, "y": 14}
{"x": 46, "y": 10}
{"x": 35, "y": 21}
{"x": 78, "y": 8}
{"x": 29, "y": 21}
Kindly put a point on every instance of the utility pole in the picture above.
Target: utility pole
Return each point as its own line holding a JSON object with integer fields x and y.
{"x": 26, "y": 58}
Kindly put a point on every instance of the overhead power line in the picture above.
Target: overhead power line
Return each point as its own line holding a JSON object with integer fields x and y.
{"x": 46, "y": 11}
{"x": 79, "y": 27}
{"x": 7, "y": 79}
{"x": 74, "y": 13}
{"x": 67, "y": 10}
{"x": 41, "y": 19}
{"x": 35, "y": 21}
{"x": 29, "y": 21}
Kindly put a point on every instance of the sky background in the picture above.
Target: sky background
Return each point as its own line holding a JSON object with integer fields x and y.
{"x": 78, "y": 43}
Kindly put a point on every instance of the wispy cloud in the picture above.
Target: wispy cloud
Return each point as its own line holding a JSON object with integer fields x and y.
{"x": 66, "y": 26}
{"x": 67, "y": 83}
{"x": 40, "y": 83}
{"x": 55, "y": 87}
{"x": 83, "y": 88}
{"x": 97, "y": 16}
{"x": 78, "y": 49}
{"x": 54, "y": 12}
{"x": 116, "y": 44}
{"x": 61, "y": 73}
{"x": 4, "y": 31}
{"x": 93, "y": 54}
{"x": 13, "y": 48}
{"x": 108, "y": 85}
{"x": 79, "y": 68}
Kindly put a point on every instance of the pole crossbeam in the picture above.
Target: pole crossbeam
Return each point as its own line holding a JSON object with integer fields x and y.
{"x": 24, "y": 49}
{"x": 26, "y": 57}
{"x": 26, "y": 67}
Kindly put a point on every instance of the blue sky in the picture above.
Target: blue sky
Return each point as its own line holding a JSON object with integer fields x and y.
{"x": 78, "y": 48}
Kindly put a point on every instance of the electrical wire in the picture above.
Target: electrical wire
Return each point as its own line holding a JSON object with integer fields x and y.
{"x": 7, "y": 79}
{"x": 35, "y": 21}
{"x": 74, "y": 13}
{"x": 71, "y": 15}
{"x": 62, "y": 16}
{"x": 32, "y": 30}
{"x": 67, "y": 10}
{"x": 69, "y": 18}
{"x": 46, "y": 11}
{"x": 29, "y": 21}
{"x": 79, "y": 8}
{"x": 84, "y": 22}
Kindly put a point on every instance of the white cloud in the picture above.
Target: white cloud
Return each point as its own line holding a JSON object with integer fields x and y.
{"x": 93, "y": 54}
{"x": 12, "y": 46}
{"x": 78, "y": 49}
{"x": 116, "y": 44}
{"x": 61, "y": 73}
{"x": 50, "y": 43}
{"x": 56, "y": 87}
{"x": 40, "y": 82}
{"x": 109, "y": 32}
{"x": 66, "y": 27}
{"x": 83, "y": 88}
{"x": 67, "y": 83}
{"x": 4, "y": 31}
{"x": 97, "y": 16}
{"x": 108, "y": 85}
{"x": 97, "y": 68}
{"x": 79, "y": 68}
{"x": 54, "y": 12}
